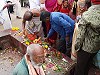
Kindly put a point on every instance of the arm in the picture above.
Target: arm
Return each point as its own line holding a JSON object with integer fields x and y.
{"x": 51, "y": 31}
{"x": 66, "y": 25}
{"x": 6, "y": 5}
{"x": 23, "y": 26}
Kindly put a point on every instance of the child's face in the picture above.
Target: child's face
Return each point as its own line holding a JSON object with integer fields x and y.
{"x": 65, "y": 4}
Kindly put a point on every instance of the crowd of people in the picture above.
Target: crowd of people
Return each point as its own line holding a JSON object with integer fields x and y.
{"x": 75, "y": 24}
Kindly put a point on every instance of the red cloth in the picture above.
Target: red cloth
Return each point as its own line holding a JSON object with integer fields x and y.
{"x": 54, "y": 36}
{"x": 65, "y": 10}
{"x": 95, "y": 1}
{"x": 60, "y": 8}
{"x": 57, "y": 8}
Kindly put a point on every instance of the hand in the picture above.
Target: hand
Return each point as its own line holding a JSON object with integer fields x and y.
{"x": 46, "y": 39}
{"x": 23, "y": 31}
{"x": 23, "y": 34}
{"x": 35, "y": 33}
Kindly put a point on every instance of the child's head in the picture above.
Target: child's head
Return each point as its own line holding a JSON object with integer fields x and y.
{"x": 65, "y": 3}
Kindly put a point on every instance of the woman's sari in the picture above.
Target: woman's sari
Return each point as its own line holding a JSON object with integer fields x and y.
{"x": 50, "y": 5}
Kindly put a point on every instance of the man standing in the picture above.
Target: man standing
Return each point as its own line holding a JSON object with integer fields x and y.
{"x": 88, "y": 39}
{"x": 17, "y": 8}
{"x": 63, "y": 25}
{"x": 4, "y": 17}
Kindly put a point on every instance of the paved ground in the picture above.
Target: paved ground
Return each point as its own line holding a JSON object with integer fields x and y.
{"x": 8, "y": 60}
{"x": 15, "y": 21}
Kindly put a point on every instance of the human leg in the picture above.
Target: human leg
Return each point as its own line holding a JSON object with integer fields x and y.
{"x": 83, "y": 61}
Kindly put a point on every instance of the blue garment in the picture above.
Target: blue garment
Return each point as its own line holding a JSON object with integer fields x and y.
{"x": 62, "y": 24}
{"x": 21, "y": 68}
{"x": 96, "y": 60}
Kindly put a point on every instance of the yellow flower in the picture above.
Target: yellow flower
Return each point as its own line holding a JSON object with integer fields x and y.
{"x": 27, "y": 43}
{"x": 35, "y": 41}
{"x": 15, "y": 28}
{"x": 46, "y": 46}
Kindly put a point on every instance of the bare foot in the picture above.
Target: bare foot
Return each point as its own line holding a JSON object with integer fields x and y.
{"x": 18, "y": 17}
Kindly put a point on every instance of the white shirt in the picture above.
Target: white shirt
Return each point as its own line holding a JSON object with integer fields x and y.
{"x": 4, "y": 17}
{"x": 34, "y": 4}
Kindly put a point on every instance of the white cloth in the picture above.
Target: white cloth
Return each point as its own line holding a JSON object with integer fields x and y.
{"x": 42, "y": 5}
{"x": 17, "y": 7}
{"x": 4, "y": 17}
{"x": 74, "y": 52}
{"x": 81, "y": 3}
{"x": 34, "y": 4}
